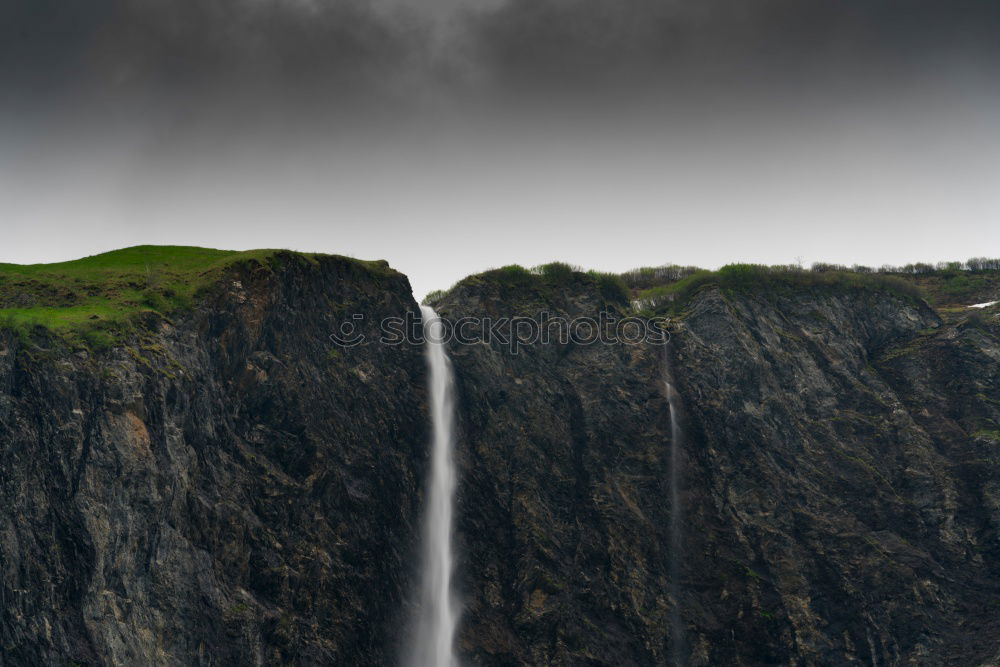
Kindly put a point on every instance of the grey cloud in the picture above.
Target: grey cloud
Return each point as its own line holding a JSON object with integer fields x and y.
{"x": 566, "y": 42}
{"x": 179, "y": 46}
{"x": 336, "y": 47}
{"x": 41, "y": 41}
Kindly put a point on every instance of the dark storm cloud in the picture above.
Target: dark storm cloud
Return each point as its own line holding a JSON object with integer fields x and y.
{"x": 42, "y": 40}
{"x": 337, "y": 46}
{"x": 176, "y": 46}
{"x": 563, "y": 42}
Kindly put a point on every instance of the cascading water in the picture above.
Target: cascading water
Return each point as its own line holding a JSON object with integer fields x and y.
{"x": 676, "y": 511}
{"x": 432, "y": 644}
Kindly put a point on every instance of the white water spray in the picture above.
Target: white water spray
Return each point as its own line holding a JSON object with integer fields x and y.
{"x": 432, "y": 644}
{"x": 676, "y": 514}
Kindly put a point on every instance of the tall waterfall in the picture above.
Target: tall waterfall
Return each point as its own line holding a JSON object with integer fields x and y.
{"x": 676, "y": 510}
{"x": 432, "y": 644}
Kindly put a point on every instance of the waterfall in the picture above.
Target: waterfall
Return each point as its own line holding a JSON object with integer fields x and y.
{"x": 676, "y": 510}
{"x": 432, "y": 644}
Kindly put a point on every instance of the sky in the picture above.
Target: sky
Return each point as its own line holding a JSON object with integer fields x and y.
{"x": 453, "y": 136}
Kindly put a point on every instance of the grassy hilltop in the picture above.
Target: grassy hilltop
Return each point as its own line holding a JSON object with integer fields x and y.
{"x": 92, "y": 301}
{"x": 949, "y": 287}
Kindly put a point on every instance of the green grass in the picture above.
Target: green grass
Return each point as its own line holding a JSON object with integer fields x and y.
{"x": 558, "y": 273}
{"x": 664, "y": 297}
{"x": 646, "y": 277}
{"x": 948, "y": 286}
{"x": 959, "y": 289}
{"x": 611, "y": 286}
{"x": 758, "y": 278}
{"x": 512, "y": 277}
{"x": 541, "y": 282}
{"x": 683, "y": 282}
{"x": 94, "y": 300}
{"x": 434, "y": 296}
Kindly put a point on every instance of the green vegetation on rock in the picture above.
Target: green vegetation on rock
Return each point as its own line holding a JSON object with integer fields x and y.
{"x": 758, "y": 278}
{"x": 92, "y": 302}
{"x": 950, "y": 287}
{"x": 947, "y": 286}
{"x": 542, "y": 280}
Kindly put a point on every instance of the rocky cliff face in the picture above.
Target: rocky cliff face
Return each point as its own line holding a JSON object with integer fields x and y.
{"x": 839, "y": 487}
{"x": 228, "y": 489}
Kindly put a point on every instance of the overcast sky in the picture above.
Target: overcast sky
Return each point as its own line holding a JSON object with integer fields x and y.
{"x": 452, "y": 136}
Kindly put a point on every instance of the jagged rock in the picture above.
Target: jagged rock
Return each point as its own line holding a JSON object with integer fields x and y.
{"x": 227, "y": 487}
{"x": 226, "y": 492}
{"x": 838, "y": 507}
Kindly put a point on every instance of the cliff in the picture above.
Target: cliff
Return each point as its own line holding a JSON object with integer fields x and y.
{"x": 198, "y": 476}
{"x": 220, "y": 487}
{"x": 839, "y": 495}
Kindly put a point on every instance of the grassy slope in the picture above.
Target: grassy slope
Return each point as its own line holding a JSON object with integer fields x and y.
{"x": 91, "y": 301}
{"x": 958, "y": 289}
{"x": 661, "y": 290}
{"x": 755, "y": 278}
{"x": 540, "y": 282}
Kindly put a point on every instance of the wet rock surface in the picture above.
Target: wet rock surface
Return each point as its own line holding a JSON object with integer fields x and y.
{"x": 231, "y": 489}
{"x": 839, "y": 486}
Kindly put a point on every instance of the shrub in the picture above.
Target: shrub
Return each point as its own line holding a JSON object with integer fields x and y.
{"x": 155, "y": 300}
{"x": 433, "y": 297}
{"x": 980, "y": 319}
{"x": 98, "y": 339}
{"x": 956, "y": 284}
{"x": 611, "y": 287}
{"x": 659, "y": 298}
{"x": 822, "y": 267}
{"x": 557, "y": 273}
{"x": 651, "y": 276}
{"x": 983, "y": 264}
{"x": 760, "y": 278}
{"x": 512, "y": 276}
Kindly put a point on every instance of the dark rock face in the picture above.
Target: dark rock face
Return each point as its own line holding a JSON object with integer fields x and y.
{"x": 232, "y": 490}
{"x": 839, "y": 493}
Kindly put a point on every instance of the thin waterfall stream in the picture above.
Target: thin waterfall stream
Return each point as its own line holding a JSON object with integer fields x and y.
{"x": 433, "y": 643}
{"x": 676, "y": 510}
